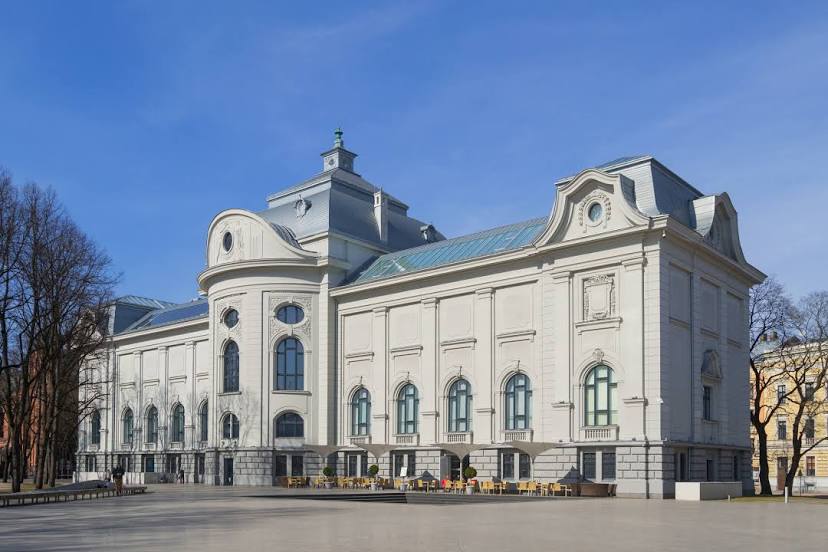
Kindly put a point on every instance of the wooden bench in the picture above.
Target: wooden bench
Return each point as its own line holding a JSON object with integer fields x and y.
{"x": 46, "y": 497}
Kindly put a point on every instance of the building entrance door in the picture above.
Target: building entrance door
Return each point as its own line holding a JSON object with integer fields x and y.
{"x": 781, "y": 471}
{"x": 228, "y": 471}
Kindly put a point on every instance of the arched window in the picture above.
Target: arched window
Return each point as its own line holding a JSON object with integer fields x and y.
{"x": 290, "y": 424}
{"x": 407, "y": 407}
{"x": 290, "y": 365}
{"x": 230, "y": 426}
{"x": 178, "y": 424}
{"x": 459, "y": 407}
{"x": 96, "y": 427}
{"x": 202, "y": 422}
{"x": 600, "y": 402}
{"x": 231, "y": 367}
{"x": 152, "y": 425}
{"x": 361, "y": 412}
{"x": 127, "y": 426}
{"x": 518, "y": 402}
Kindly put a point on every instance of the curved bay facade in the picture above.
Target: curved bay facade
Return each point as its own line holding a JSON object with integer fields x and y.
{"x": 606, "y": 342}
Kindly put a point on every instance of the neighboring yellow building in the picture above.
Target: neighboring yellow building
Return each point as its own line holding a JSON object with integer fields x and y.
{"x": 813, "y": 465}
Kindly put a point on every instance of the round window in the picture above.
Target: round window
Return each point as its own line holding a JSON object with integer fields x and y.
{"x": 227, "y": 241}
{"x": 231, "y": 318}
{"x": 595, "y": 212}
{"x": 290, "y": 314}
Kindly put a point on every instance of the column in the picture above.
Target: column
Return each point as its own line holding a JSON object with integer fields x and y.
{"x": 430, "y": 431}
{"x": 483, "y": 426}
{"x": 379, "y": 398}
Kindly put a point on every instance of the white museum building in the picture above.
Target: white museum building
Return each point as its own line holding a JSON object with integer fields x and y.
{"x": 605, "y": 342}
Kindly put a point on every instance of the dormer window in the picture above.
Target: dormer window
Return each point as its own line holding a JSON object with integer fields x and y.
{"x": 595, "y": 212}
{"x": 227, "y": 241}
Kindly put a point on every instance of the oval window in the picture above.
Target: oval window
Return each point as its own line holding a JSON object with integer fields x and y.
{"x": 595, "y": 212}
{"x": 227, "y": 241}
{"x": 231, "y": 318}
{"x": 290, "y": 314}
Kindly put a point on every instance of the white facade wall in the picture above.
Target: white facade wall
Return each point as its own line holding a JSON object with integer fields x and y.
{"x": 664, "y": 308}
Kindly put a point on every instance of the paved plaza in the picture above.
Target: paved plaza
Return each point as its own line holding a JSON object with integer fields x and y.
{"x": 188, "y": 518}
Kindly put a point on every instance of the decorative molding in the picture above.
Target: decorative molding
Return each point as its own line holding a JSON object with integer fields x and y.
{"x": 516, "y": 335}
{"x": 599, "y": 297}
{"x": 458, "y": 343}
{"x": 182, "y": 377}
{"x": 278, "y": 329}
{"x": 588, "y": 325}
{"x": 635, "y": 400}
{"x": 595, "y": 197}
{"x": 360, "y": 355}
{"x": 406, "y": 350}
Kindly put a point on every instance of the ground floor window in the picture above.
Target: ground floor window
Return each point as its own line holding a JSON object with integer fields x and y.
{"x": 125, "y": 461}
{"x": 297, "y": 465}
{"x": 280, "y": 465}
{"x": 91, "y": 464}
{"x": 607, "y": 466}
{"x": 810, "y": 466}
{"x": 681, "y": 466}
{"x": 710, "y": 470}
{"x": 149, "y": 463}
{"x": 736, "y": 468}
{"x": 588, "y": 470}
{"x": 356, "y": 464}
{"x": 173, "y": 463}
{"x": 515, "y": 465}
{"x": 405, "y": 464}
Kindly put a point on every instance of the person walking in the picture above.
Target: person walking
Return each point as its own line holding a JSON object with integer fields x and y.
{"x": 118, "y": 476}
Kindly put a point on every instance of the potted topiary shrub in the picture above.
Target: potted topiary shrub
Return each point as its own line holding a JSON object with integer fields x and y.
{"x": 373, "y": 470}
{"x": 470, "y": 473}
{"x": 329, "y": 473}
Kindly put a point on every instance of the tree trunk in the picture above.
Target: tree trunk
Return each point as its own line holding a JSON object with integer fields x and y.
{"x": 764, "y": 467}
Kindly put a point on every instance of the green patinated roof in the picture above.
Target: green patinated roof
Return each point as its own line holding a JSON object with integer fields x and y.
{"x": 480, "y": 244}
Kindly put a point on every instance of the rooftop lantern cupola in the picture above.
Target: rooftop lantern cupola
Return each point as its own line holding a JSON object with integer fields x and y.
{"x": 338, "y": 157}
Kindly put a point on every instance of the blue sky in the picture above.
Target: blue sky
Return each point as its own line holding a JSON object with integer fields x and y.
{"x": 148, "y": 118}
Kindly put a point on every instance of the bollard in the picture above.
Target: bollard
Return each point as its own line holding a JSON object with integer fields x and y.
{"x": 786, "y": 495}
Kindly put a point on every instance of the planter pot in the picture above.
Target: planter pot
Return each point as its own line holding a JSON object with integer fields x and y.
{"x": 404, "y": 487}
{"x": 469, "y": 490}
{"x": 328, "y": 484}
{"x": 373, "y": 486}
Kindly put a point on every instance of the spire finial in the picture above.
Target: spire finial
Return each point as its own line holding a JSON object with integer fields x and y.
{"x": 338, "y": 143}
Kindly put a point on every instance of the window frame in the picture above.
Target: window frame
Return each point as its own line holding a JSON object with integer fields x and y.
{"x": 288, "y": 420}
{"x": 290, "y": 314}
{"x": 230, "y": 371}
{"x": 203, "y": 421}
{"x": 289, "y": 376}
{"x": 517, "y": 403}
{"x": 95, "y": 427}
{"x": 600, "y": 377}
{"x": 361, "y": 417}
{"x": 177, "y": 434}
{"x": 152, "y": 425}
{"x": 408, "y": 406}
{"x": 128, "y": 429}
{"x": 231, "y": 421}
{"x": 458, "y": 397}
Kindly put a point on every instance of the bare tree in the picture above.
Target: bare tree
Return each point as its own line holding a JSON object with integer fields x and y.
{"x": 770, "y": 310}
{"x": 55, "y": 288}
{"x": 804, "y": 360}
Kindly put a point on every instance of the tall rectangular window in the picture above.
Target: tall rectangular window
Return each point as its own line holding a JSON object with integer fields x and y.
{"x": 707, "y": 407}
{"x": 781, "y": 391}
{"x": 710, "y": 471}
{"x": 781, "y": 429}
{"x": 607, "y": 466}
{"x": 508, "y": 466}
{"x": 589, "y": 465}
{"x": 810, "y": 466}
{"x": 297, "y": 465}
{"x": 280, "y": 465}
{"x": 524, "y": 466}
{"x": 810, "y": 428}
{"x": 736, "y": 469}
{"x": 809, "y": 391}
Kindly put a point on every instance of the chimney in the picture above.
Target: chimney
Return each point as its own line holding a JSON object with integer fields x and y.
{"x": 428, "y": 233}
{"x": 381, "y": 214}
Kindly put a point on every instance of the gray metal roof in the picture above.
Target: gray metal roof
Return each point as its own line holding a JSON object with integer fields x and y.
{"x": 463, "y": 248}
{"x": 337, "y": 205}
{"x": 143, "y": 302}
{"x": 198, "y": 308}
